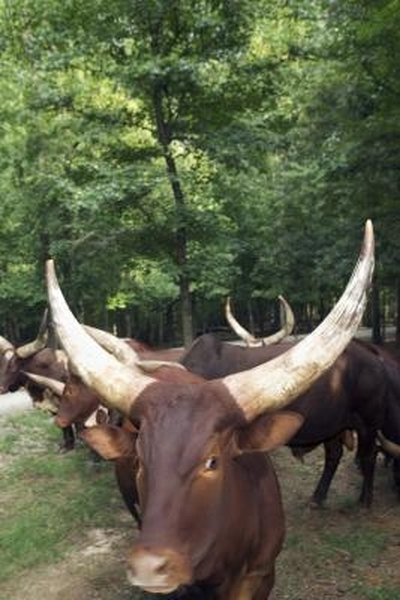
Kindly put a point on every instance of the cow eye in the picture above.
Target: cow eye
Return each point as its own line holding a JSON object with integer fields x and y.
{"x": 211, "y": 463}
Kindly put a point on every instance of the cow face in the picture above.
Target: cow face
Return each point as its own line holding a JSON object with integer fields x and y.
{"x": 190, "y": 465}
{"x": 44, "y": 362}
{"x": 9, "y": 371}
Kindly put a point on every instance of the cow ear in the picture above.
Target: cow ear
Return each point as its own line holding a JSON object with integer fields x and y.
{"x": 269, "y": 431}
{"x": 110, "y": 441}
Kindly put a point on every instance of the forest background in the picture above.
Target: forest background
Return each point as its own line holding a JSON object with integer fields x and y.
{"x": 169, "y": 153}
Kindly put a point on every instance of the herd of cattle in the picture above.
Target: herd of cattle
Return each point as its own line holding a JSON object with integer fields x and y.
{"x": 189, "y": 431}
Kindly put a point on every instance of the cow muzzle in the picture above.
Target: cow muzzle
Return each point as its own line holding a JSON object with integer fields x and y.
{"x": 158, "y": 570}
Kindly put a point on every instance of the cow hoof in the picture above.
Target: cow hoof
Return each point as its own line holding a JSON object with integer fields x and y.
{"x": 65, "y": 449}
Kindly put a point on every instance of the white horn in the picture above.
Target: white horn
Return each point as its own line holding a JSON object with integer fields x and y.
{"x": 52, "y": 384}
{"x": 117, "y": 384}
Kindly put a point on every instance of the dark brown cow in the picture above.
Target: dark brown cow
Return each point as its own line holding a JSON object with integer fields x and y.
{"x": 148, "y": 353}
{"x": 390, "y": 434}
{"x": 76, "y": 402}
{"x": 35, "y": 358}
{"x": 200, "y": 470}
{"x": 355, "y": 392}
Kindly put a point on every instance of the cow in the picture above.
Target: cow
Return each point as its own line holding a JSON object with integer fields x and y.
{"x": 200, "y": 469}
{"x": 389, "y": 436}
{"x": 148, "y": 353}
{"x": 390, "y": 378}
{"x": 356, "y": 392}
{"x": 75, "y": 402}
{"x": 35, "y": 357}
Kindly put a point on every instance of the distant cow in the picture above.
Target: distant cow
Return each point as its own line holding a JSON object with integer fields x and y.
{"x": 390, "y": 434}
{"x": 200, "y": 469}
{"x": 33, "y": 356}
{"x": 355, "y": 392}
{"x": 36, "y": 358}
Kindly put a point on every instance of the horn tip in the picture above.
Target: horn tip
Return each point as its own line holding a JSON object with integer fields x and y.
{"x": 369, "y": 231}
{"x": 50, "y": 270}
{"x": 369, "y": 240}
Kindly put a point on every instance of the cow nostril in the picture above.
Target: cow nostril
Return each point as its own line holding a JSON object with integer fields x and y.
{"x": 161, "y": 567}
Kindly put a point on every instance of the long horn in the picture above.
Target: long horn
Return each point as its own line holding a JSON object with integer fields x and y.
{"x": 250, "y": 339}
{"x": 117, "y": 384}
{"x": 39, "y": 343}
{"x": 240, "y": 331}
{"x": 274, "y": 384}
{"x": 5, "y": 345}
{"x": 52, "y": 384}
{"x": 288, "y": 324}
{"x": 390, "y": 447}
{"x": 120, "y": 349}
{"x": 149, "y": 365}
{"x": 125, "y": 353}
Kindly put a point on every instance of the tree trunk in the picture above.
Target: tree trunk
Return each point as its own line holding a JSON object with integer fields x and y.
{"x": 397, "y": 322}
{"x": 164, "y": 138}
{"x": 376, "y": 313}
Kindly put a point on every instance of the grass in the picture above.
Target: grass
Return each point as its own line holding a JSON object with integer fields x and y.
{"x": 50, "y": 503}
{"x": 47, "y": 499}
{"x": 362, "y": 545}
{"x": 378, "y": 593}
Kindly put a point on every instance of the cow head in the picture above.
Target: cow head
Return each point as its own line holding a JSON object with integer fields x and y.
{"x": 13, "y": 360}
{"x": 76, "y": 402}
{"x": 198, "y": 467}
{"x": 8, "y": 366}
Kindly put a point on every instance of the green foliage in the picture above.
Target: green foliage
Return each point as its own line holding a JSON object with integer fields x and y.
{"x": 239, "y": 147}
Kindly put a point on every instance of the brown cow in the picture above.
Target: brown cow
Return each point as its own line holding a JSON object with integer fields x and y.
{"x": 76, "y": 402}
{"x": 36, "y": 358}
{"x": 361, "y": 391}
{"x": 33, "y": 356}
{"x": 200, "y": 472}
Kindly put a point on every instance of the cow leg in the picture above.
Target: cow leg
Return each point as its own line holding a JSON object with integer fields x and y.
{"x": 367, "y": 459}
{"x": 68, "y": 441}
{"x": 125, "y": 473}
{"x": 266, "y": 586}
{"x": 333, "y": 454}
{"x": 254, "y": 586}
{"x": 396, "y": 474}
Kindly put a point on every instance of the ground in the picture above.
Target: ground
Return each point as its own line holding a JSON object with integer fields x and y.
{"x": 340, "y": 551}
